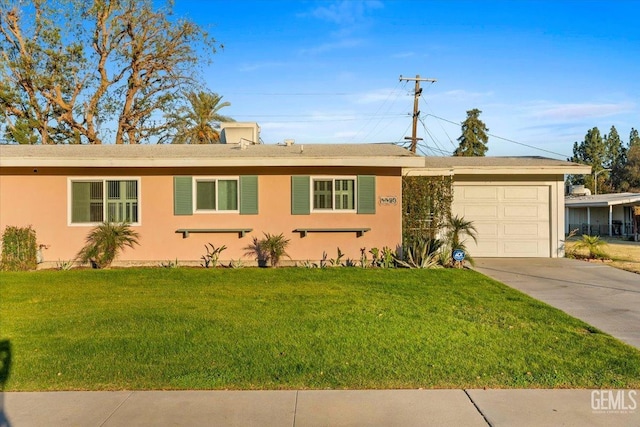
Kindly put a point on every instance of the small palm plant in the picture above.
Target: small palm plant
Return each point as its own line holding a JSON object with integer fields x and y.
{"x": 275, "y": 246}
{"x": 105, "y": 241}
{"x": 594, "y": 245}
{"x": 272, "y": 248}
{"x": 456, "y": 228}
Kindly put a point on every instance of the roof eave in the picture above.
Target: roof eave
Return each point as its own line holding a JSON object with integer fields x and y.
{"x": 379, "y": 161}
{"x": 498, "y": 170}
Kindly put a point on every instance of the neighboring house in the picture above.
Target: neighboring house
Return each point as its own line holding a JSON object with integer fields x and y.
{"x": 515, "y": 203}
{"x": 321, "y": 197}
{"x": 181, "y": 197}
{"x": 603, "y": 214}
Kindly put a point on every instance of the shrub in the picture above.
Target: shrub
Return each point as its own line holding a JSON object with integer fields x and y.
{"x": 594, "y": 245}
{"x": 275, "y": 247}
{"x": 19, "y": 249}
{"x": 272, "y": 248}
{"x": 105, "y": 241}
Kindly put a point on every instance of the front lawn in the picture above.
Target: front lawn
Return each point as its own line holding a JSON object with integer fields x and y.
{"x": 294, "y": 328}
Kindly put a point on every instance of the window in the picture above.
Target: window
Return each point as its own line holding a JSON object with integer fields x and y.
{"x": 334, "y": 194}
{"x": 103, "y": 200}
{"x": 213, "y": 194}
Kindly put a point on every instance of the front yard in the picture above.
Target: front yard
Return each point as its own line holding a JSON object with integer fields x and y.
{"x": 623, "y": 254}
{"x": 293, "y": 328}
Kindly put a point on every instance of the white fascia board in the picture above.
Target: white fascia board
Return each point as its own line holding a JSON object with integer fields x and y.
{"x": 497, "y": 170}
{"x": 382, "y": 161}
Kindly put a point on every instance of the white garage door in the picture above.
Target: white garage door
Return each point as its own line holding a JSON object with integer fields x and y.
{"x": 512, "y": 221}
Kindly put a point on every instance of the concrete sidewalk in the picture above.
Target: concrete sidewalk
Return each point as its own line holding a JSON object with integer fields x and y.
{"x": 323, "y": 408}
{"x": 600, "y": 295}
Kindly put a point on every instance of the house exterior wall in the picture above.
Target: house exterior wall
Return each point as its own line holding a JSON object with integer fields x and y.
{"x": 555, "y": 215}
{"x": 41, "y": 199}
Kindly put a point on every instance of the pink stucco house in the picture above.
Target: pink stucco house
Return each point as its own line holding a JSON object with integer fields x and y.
{"x": 180, "y": 197}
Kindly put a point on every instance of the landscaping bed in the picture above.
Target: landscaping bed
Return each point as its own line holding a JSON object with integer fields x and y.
{"x": 295, "y": 328}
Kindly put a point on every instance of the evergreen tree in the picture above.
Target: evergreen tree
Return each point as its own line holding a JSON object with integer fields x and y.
{"x": 614, "y": 159}
{"x": 474, "y": 138}
{"x": 632, "y": 167}
{"x": 590, "y": 152}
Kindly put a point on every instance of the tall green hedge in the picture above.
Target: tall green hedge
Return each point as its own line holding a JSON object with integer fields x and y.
{"x": 426, "y": 206}
{"x": 19, "y": 249}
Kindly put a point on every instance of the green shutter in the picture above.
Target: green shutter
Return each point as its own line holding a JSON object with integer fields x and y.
{"x": 182, "y": 195}
{"x": 249, "y": 195}
{"x": 366, "y": 194}
{"x": 80, "y": 202}
{"x": 300, "y": 202}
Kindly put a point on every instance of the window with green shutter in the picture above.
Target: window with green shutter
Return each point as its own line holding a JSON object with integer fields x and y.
{"x": 215, "y": 194}
{"x": 333, "y": 194}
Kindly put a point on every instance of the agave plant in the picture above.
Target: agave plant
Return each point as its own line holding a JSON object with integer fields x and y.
{"x": 105, "y": 241}
{"x": 421, "y": 253}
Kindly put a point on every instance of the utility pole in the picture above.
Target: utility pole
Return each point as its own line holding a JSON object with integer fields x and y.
{"x": 416, "y": 113}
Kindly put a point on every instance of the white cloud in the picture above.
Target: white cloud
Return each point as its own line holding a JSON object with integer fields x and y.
{"x": 546, "y": 111}
{"x": 345, "y": 12}
{"x": 261, "y": 65}
{"x": 328, "y": 47}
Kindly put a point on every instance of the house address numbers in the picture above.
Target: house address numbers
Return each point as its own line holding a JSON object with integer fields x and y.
{"x": 388, "y": 200}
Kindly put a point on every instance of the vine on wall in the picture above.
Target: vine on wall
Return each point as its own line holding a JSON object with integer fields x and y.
{"x": 426, "y": 206}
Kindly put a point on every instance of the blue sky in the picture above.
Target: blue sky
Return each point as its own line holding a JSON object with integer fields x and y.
{"x": 542, "y": 72}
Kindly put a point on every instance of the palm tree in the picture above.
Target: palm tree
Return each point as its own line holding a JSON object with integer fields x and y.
{"x": 199, "y": 122}
{"x": 594, "y": 245}
{"x": 458, "y": 226}
{"x": 105, "y": 241}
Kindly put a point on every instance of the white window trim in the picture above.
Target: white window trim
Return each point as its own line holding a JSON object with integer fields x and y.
{"x": 72, "y": 179}
{"x": 333, "y": 178}
{"x": 194, "y": 198}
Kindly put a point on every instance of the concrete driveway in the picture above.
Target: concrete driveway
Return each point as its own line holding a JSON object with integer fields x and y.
{"x": 603, "y": 296}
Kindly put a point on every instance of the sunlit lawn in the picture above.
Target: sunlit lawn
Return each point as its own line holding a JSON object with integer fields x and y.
{"x": 294, "y": 329}
{"x": 623, "y": 254}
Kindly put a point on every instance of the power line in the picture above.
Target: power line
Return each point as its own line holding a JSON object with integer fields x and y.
{"x": 439, "y": 123}
{"x": 371, "y": 129}
{"x": 504, "y": 139}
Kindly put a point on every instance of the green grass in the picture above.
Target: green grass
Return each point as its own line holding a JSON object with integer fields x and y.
{"x": 294, "y": 329}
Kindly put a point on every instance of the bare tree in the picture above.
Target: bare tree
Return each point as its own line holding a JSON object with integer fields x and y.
{"x": 70, "y": 66}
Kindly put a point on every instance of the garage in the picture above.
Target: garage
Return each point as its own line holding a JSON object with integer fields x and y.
{"x": 516, "y": 204}
{"x": 512, "y": 221}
